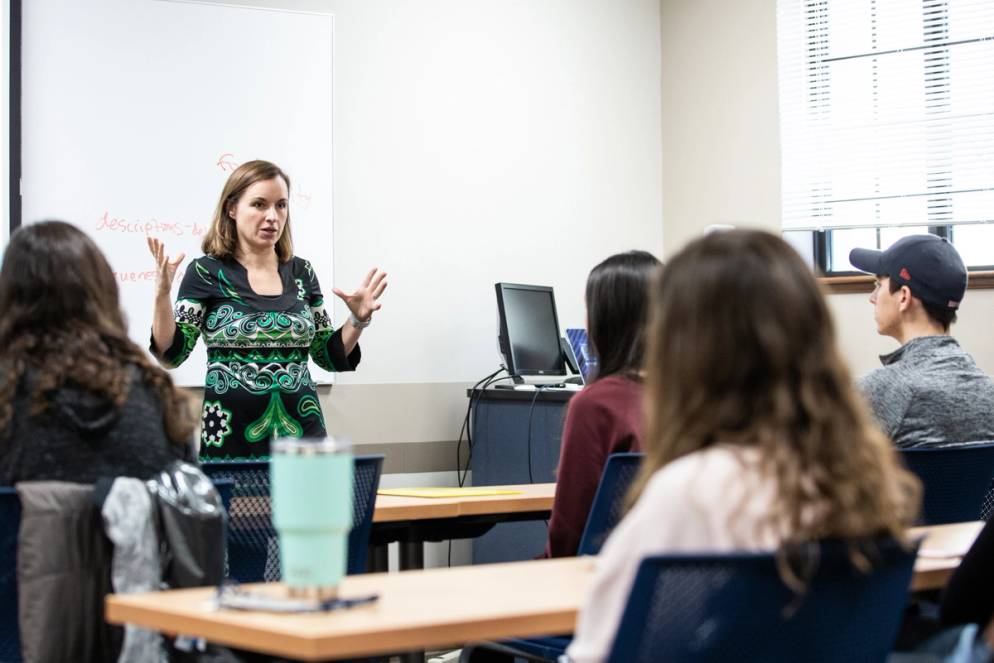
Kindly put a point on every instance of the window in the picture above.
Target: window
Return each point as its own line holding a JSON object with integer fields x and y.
{"x": 887, "y": 125}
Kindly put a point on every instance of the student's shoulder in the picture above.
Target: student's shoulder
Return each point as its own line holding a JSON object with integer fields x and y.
{"x": 888, "y": 379}
{"x": 609, "y": 390}
{"x": 717, "y": 465}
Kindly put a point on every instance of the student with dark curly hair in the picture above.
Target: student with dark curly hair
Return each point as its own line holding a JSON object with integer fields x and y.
{"x": 78, "y": 399}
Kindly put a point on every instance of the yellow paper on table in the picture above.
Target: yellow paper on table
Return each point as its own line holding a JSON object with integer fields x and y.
{"x": 446, "y": 492}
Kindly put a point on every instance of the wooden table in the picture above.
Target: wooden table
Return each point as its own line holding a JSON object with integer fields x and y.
{"x": 413, "y": 520}
{"x": 416, "y": 610}
{"x": 533, "y": 498}
{"x": 437, "y": 607}
{"x": 940, "y": 552}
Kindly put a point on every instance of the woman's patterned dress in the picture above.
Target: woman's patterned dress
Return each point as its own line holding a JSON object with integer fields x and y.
{"x": 258, "y": 386}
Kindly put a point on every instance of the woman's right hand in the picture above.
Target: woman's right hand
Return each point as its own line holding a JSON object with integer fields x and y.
{"x": 165, "y": 269}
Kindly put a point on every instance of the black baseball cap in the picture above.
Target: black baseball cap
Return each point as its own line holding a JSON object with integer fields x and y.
{"x": 927, "y": 264}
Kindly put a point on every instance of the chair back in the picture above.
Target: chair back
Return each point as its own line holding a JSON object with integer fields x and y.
{"x": 10, "y": 523}
{"x": 609, "y": 501}
{"x": 226, "y": 490}
{"x": 988, "y": 507}
{"x": 737, "y": 608}
{"x": 955, "y": 480}
{"x": 252, "y": 541}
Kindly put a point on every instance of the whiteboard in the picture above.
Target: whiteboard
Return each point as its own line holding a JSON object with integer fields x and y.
{"x": 134, "y": 112}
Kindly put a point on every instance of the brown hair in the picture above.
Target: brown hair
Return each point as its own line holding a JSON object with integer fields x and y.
{"x": 222, "y": 238}
{"x": 62, "y": 321}
{"x": 940, "y": 315}
{"x": 742, "y": 350}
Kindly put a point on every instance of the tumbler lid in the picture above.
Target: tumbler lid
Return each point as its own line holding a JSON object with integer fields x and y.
{"x": 312, "y": 446}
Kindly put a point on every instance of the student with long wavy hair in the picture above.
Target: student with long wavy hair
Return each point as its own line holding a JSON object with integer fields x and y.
{"x": 755, "y": 437}
{"x": 606, "y": 417}
{"x": 78, "y": 399}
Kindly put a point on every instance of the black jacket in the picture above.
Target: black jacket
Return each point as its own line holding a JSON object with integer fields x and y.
{"x": 80, "y": 437}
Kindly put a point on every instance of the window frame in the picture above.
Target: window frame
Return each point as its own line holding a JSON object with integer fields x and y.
{"x": 852, "y": 281}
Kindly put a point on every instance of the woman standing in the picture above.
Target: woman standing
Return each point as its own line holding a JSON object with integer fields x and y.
{"x": 261, "y": 313}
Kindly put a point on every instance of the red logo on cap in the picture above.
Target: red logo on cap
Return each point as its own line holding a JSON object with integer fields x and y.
{"x": 905, "y": 274}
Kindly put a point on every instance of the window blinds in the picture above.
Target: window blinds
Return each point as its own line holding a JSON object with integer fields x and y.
{"x": 886, "y": 112}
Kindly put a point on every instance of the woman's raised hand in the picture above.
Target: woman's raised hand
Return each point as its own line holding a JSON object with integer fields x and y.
{"x": 364, "y": 300}
{"x": 165, "y": 268}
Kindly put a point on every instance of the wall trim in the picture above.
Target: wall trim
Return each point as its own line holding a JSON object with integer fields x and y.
{"x": 863, "y": 283}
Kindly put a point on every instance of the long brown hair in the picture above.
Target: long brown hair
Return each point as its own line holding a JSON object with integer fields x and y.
{"x": 62, "y": 322}
{"x": 742, "y": 350}
{"x": 221, "y": 240}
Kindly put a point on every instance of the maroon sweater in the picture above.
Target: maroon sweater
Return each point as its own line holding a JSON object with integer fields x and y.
{"x": 604, "y": 418}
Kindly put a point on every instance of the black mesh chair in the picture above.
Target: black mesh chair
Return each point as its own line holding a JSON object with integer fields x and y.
{"x": 988, "y": 506}
{"x": 10, "y": 521}
{"x": 955, "y": 480}
{"x": 253, "y": 545}
{"x": 608, "y": 506}
{"x": 705, "y": 608}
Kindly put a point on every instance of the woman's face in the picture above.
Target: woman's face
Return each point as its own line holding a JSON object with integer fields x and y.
{"x": 260, "y": 214}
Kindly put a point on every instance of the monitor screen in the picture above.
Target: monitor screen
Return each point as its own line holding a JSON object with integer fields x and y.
{"x": 585, "y": 358}
{"x": 529, "y": 330}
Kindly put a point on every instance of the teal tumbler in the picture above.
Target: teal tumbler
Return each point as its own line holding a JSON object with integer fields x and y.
{"x": 312, "y": 511}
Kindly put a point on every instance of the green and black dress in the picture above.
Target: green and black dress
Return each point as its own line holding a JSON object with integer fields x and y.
{"x": 258, "y": 386}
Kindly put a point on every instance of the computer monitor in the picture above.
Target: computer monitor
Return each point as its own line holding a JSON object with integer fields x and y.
{"x": 528, "y": 334}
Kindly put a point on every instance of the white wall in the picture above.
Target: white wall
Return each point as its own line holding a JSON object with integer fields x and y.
{"x": 479, "y": 141}
{"x": 4, "y": 122}
{"x": 488, "y": 141}
{"x": 721, "y": 151}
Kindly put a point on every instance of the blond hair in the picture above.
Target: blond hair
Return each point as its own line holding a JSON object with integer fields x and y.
{"x": 742, "y": 350}
{"x": 221, "y": 240}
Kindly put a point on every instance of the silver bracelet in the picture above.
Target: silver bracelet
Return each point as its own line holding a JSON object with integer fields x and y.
{"x": 359, "y": 324}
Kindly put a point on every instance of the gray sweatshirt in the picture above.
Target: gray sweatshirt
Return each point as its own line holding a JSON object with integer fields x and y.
{"x": 930, "y": 393}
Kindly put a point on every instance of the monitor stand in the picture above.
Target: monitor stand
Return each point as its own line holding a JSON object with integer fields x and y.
{"x": 515, "y": 381}
{"x": 543, "y": 381}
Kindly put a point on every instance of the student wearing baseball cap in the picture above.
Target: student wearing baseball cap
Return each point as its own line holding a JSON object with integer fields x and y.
{"x": 929, "y": 392}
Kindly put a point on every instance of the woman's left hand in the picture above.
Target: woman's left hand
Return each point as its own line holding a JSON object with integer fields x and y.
{"x": 364, "y": 300}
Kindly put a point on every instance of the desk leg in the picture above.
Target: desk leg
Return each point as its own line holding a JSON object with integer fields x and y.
{"x": 379, "y": 560}
{"x": 412, "y": 555}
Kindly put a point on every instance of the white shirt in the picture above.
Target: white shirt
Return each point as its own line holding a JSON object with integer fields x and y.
{"x": 708, "y": 501}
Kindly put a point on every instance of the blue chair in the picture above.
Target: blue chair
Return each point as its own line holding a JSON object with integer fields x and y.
{"x": 608, "y": 506}
{"x": 704, "y": 608}
{"x": 955, "y": 479}
{"x": 253, "y": 546}
{"x": 10, "y": 522}
{"x": 226, "y": 490}
{"x": 606, "y": 511}
{"x": 988, "y": 507}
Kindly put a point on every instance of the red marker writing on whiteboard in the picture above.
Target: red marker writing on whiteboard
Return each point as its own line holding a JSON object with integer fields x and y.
{"x": 226, "y": 161}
